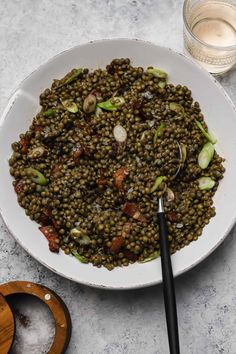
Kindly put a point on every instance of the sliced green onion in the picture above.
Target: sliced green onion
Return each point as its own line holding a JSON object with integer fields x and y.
{"x": 158, "y": 132}
{"x": 157, "y": 183}
{"x": 36, "y": 176}
{"x": 70, "y": 106}
{"x": 80, "y": 258}
{"x": 112, "y": 104}
{"x": 157, "y": 73}
{"x": 209, "y": 137}
{"x": 162, "y": 84}
{"x": 80, "y": 236}
{"x": 151, "y": 258}
{"x": 74, "y": 76}
{"x": 206, "y": 155}
{"x": 206, "y": 183}
{"x": 183, "y": 148}
{"x": 49, "y": 113}
{"x": 176, "y": 107}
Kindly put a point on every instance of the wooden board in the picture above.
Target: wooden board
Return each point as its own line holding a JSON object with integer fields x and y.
{"x": 53, "y": 301}
{"x": 7, "y": 326}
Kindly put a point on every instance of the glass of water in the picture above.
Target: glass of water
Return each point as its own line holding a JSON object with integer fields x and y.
{"x": 210, "y": 33}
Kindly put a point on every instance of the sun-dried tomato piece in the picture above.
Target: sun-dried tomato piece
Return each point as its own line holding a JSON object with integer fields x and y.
{"x": 56, "y": 170}
{"x": 118, "y": 241}
{"x": 47, "y": 219}
{"x": 24, "y": 142}
{"x": 119, "y": 177}
{"x": 130, "y": 255}
{"x": 19, "y": 186}
{"x": 116, "y": 244}
{"x": 101, "y": 181}
{"x": 52, "y": 237}
{"x": 38, "y": 128}
{"x": 78, "y": 151}
{"x": 46, "y": 216}
{"x": 132, "y": 209}
{"x": 137, "y": 105}
{"x": 55, "y": 224}
{"x": 172, "y": 216}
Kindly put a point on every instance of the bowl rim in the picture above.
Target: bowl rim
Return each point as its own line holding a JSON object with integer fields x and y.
{"x": 10, "y": 103}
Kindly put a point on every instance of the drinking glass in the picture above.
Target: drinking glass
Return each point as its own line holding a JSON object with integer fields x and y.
{"x": 210, "y": 33}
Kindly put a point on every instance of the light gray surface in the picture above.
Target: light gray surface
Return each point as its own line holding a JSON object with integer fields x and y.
{"x": 104, "y": 321}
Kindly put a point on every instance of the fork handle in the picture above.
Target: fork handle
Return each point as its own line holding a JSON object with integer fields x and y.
{"x": 168, "y": 287}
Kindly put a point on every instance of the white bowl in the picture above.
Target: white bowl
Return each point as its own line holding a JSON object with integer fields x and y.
{"x": 219, "y": 113}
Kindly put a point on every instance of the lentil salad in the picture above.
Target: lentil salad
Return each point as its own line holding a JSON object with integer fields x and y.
{"x": 103, "y": 148}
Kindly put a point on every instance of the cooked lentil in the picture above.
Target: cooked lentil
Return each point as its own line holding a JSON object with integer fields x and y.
{"x": 94, "y": 194}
